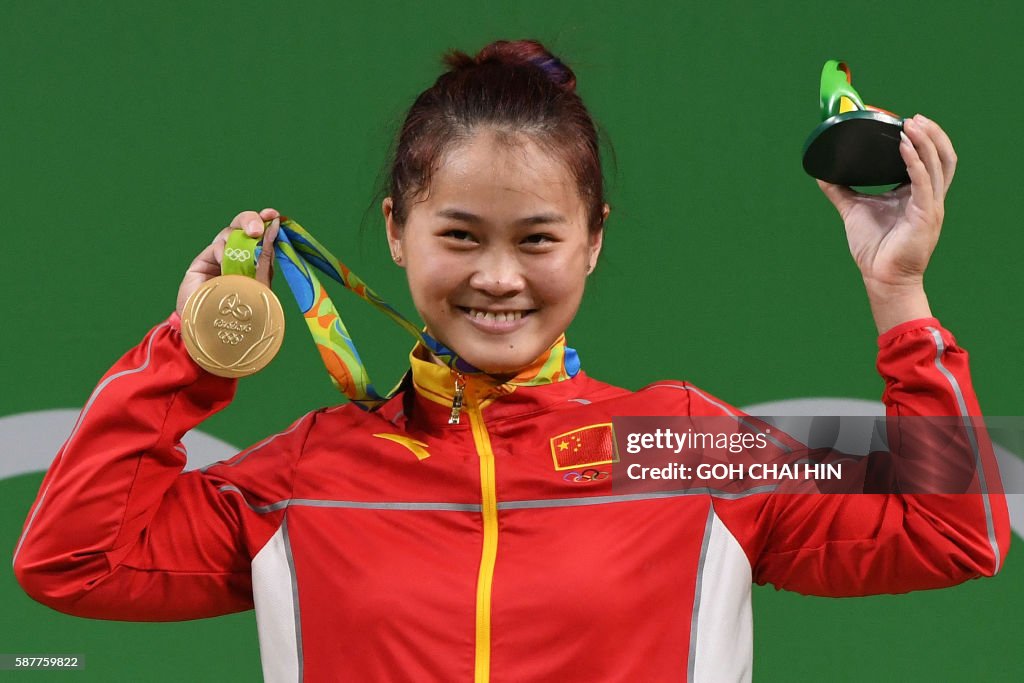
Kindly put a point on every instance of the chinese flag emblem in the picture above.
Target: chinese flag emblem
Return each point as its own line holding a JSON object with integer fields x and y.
{"x": 584, "y": 447}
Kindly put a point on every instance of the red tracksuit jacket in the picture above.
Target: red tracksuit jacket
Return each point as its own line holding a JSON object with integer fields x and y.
{"x": 391, "y": 546}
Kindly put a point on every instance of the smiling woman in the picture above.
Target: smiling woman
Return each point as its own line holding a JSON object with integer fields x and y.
{"x": 467, "y": 528}
{"x": 498, "y": 252}
{"x": 497, "y": 204}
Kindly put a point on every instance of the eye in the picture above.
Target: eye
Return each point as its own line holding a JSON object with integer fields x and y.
{"x": 459, "y": 235}
{"x": 538, "y": 239}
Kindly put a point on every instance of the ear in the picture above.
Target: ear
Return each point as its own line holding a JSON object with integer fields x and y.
{"x": 596, "y": 241}
{"x": 393, "y": 231}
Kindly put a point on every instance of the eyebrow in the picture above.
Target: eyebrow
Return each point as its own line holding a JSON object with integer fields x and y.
{"x": 467, "y": 217}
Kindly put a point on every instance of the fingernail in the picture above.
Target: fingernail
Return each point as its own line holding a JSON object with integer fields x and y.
{"x": 904, "y": 138}
{"x": 255, "y": 227}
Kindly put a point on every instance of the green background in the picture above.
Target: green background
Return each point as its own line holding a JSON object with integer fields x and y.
{"x": 131, "y": 132}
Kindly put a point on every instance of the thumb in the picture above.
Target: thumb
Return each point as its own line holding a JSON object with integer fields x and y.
{"x": 841, "y": 197}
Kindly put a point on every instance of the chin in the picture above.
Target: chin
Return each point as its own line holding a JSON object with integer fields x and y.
{"x": 498, "y": 362}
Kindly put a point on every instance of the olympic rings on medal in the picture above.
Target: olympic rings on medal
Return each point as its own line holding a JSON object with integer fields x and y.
{"x": 229, "y": 337}
{"x": 240, "y": 255}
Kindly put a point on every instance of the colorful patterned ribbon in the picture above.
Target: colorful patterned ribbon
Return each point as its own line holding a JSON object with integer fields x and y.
{"x": 297, "y": 253}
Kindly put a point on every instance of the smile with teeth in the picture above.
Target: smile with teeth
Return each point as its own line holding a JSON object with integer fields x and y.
{"x": 494, "y": 316}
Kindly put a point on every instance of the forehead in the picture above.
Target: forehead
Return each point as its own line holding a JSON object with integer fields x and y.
{"x": 495, "y": 172}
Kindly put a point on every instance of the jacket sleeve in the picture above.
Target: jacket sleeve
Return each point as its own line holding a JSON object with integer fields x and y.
{"x": 117, "y": 531}
{"x": 867, "y": 543}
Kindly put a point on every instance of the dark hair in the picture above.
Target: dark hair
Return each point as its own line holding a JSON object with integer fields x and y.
{"x": 516, "y": 87}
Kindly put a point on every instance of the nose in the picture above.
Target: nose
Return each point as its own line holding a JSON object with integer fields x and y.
{"x": 498, "y": 273}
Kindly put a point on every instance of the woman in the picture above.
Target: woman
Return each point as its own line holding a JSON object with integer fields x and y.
{"x": 428, "y": 541}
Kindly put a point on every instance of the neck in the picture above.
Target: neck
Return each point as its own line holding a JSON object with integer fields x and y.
{"x": 496, "y": 377}
{"x": 558, "y": 362}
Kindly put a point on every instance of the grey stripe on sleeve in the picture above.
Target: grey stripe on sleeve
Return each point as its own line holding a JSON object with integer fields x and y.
{"x": 74, "y": 432}
{"x": 245, "y": 454}
{"x": 940, "y": 347}
{"x": 725, "y": 409}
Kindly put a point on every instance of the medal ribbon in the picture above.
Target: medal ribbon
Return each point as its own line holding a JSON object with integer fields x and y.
{"x": 298, "y": 253}
{"x": 240, "y": 254}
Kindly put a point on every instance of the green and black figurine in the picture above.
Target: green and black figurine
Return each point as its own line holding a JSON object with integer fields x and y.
{"x": 856, "y": 143}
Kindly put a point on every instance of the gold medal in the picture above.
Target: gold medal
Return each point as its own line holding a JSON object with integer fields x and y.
{"x": 233, "y": 325}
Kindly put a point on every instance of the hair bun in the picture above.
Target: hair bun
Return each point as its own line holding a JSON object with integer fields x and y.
{"x": 516, "y": 52}
{"x": 515, "y": 87}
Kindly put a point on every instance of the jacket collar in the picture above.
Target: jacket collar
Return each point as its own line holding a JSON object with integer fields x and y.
{"x": 428, "y": 390}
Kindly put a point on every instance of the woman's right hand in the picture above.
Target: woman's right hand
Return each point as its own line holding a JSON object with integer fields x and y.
{"x": 207, "y": 265}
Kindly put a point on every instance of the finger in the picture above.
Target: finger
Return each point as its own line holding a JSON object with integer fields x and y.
{"x": 214, "y": 253}
{"x": 206, "y": 263}
{"x": 266, "y": 260}
{"x": 944, "y": 146}
{"x": 918, "y": 132}
{"x": 217, "y": 249}
{"x": 921, "y": 191}
{"x": 271, "y": 233}
{"x": 250, "y": 222}
{"x": 269, "y": 214}
{"x": 223, "y": 235}
{"x": 840, "y": 196}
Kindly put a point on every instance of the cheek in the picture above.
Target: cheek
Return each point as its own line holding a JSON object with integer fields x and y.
{"x": 431, "y": 282}
{"x": 561, "y": 281}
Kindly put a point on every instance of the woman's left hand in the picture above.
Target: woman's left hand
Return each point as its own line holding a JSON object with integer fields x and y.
{"x": 892, "y": 235}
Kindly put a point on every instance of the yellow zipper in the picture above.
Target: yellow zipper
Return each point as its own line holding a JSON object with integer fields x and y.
{"x": 489, "y": 553}
{"x": 460, "y": 388}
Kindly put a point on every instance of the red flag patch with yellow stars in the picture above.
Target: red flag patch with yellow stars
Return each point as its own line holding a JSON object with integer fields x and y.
{"x": 584, "y": 447}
